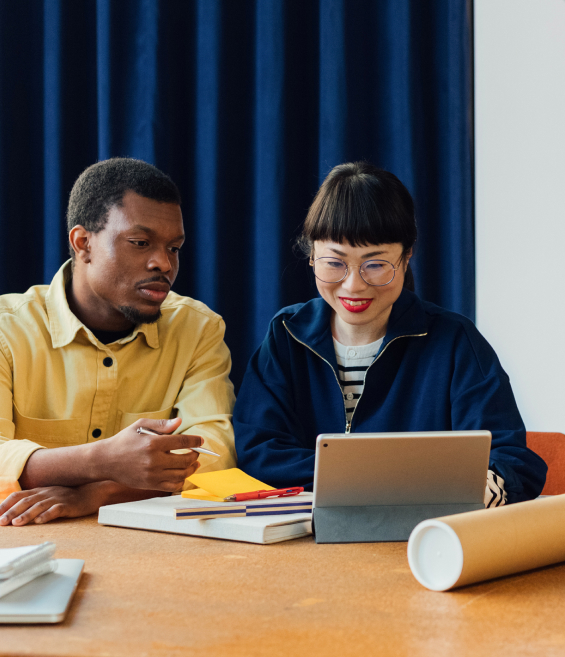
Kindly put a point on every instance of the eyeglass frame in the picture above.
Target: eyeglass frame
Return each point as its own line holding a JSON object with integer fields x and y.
{"x": 394, "y": 270}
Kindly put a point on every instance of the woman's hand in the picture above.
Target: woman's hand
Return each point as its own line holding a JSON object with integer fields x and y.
{"x": 40, "y": 505}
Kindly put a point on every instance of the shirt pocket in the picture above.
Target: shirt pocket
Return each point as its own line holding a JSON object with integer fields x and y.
{"x": 49, "y": 433}
{"x": 124, "y": 420}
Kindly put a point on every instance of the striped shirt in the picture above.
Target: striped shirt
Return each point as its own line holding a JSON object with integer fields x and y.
{"x": 495, "y": 495}
{"x": 352, "y": 363}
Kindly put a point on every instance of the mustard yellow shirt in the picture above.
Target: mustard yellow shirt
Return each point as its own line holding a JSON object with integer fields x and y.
{"x": 60, "y": 386}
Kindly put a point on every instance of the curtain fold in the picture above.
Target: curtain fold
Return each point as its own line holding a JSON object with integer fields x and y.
{"x": 207, "y": 99}
{"x": 247, "y": 104}
{"x": 268, "y": 163}
{"x": 54, "y": 229}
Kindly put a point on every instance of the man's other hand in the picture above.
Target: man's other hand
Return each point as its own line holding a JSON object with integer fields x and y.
{"x": 40, "y": 505}
{"x": 141, "y": 461}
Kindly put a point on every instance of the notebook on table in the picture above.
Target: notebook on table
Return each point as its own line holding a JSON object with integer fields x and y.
{"x": 160, "y": 514}
{"x": 21, "y": 565}
{"x": 17, "y": 560}
{"x": 45, "y": 599}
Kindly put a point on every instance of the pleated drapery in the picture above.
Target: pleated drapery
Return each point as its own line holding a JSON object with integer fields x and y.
{"x": 247, "y": 104}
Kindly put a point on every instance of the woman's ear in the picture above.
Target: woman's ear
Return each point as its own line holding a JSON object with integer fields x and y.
{"x": 406, "y": 257}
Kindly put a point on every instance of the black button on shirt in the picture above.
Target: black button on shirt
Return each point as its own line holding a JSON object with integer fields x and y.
{"x": 96, "y": 433}
{"x": 108, "y": 361}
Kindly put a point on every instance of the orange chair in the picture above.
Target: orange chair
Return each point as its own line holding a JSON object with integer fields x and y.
{"x": 551, "y": 447}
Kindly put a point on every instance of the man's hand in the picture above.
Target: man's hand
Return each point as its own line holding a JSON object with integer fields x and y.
{"x": 41, "y": 505}
{"x": 128, "y": 458}
{"x": 141, "y": 461}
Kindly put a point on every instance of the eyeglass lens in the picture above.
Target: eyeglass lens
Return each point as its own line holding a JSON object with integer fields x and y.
{"x": 334, "y": 270}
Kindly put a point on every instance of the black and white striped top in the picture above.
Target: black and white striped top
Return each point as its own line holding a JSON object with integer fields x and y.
{"x": 495, "y": 495}
{"x": 352, "y": 363}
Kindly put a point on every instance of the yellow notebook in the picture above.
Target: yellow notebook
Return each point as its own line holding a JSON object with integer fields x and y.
{"x": 201, "y": 494}
{"x": 214, "y": 486}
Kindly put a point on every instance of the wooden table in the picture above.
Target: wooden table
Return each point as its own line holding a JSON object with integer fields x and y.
{"x": 146, "y": 593}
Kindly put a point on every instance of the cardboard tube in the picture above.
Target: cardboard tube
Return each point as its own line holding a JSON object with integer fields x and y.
{"x": 452, "y": 551}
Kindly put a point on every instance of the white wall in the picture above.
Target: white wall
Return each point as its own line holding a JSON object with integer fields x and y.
{"x": 520, "y": 198}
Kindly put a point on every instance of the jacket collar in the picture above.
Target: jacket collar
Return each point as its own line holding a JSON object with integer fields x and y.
{"x": 64, "y": 324}
{"x": 311, "y": 323}
{"x": 408, "y": 317}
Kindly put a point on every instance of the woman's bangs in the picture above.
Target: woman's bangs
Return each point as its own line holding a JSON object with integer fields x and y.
{"x": 359, "y": 223}
{"x": 360, "y": 205}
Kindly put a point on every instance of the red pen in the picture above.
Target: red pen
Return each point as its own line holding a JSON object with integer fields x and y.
{"x": 260, "y": 494}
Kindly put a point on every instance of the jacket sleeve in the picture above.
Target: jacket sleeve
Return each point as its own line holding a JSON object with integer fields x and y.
{"x": 13, "y": 453}
{"x": 269, "y": 439}
{"x": 205, "y": 401}
{"x": 482, "y": 398}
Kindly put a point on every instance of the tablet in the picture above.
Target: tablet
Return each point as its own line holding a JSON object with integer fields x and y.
{"x": 45, "y": 599}
{"x": 391, "y": 481}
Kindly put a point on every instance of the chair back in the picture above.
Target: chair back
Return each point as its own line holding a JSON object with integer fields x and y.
{"x": 551, "y": 447}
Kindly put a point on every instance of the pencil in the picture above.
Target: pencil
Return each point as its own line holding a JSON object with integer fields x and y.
{"x": 200, "y": 450}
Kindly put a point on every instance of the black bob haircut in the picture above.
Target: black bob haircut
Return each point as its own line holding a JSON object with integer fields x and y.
{"x": 361, "y": 204}
{"x": 104, "y": 184}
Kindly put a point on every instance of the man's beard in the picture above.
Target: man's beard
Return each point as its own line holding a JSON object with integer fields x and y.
{"x": 135, "y": 317}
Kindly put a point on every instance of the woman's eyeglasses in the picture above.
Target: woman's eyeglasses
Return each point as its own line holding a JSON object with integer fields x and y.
{"x": 373, "y": 272}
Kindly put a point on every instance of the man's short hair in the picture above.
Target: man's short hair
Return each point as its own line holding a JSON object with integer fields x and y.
{"x": 103, "y": 185}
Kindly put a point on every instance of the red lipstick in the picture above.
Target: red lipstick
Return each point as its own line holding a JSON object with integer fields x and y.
{"x": 358, "y": 307}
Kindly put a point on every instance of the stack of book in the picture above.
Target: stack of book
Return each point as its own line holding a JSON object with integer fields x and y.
{"x": 257, "y": 521}
{"x": 20, "y": 565}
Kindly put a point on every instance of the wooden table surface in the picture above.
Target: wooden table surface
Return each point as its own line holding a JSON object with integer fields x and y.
{"x": 147, "y": 593}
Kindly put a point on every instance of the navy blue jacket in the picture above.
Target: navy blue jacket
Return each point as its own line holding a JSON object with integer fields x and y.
{"x": 434, "y": 372}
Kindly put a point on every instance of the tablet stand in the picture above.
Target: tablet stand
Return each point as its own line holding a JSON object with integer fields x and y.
{"x": 371, "y": 524}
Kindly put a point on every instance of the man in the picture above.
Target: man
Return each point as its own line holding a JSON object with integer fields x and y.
{"x": 107, "y": 349}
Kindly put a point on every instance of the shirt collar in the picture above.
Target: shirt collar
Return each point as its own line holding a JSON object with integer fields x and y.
{"x": 64, "y": 324}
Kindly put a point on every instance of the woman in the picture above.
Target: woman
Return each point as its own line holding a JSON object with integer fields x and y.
{"x": 370, "y": 355}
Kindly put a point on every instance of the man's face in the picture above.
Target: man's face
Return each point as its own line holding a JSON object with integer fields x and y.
{"x": 134, "y": 260}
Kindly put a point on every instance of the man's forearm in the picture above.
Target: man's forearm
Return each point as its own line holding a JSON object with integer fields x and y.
{"x": 39, "y": 505}
{"x": 64, "y": 466}
{"x": 109, "y": 492}
{"x": 148, "y": 462}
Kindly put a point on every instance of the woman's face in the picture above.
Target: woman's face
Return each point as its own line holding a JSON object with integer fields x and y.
{"x": 355, "y": 302}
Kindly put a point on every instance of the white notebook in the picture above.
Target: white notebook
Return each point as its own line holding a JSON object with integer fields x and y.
{"x": 45, "y": 599}
{"x": 19, "y": 559}
{"x": 158, "y": 514}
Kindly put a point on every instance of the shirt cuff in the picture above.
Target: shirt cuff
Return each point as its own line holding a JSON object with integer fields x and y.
{"x": 13, "y": 457}
{"x": 495, "y": 495}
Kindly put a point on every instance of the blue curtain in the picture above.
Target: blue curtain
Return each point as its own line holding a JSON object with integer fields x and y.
{"x": 247, "y": 104}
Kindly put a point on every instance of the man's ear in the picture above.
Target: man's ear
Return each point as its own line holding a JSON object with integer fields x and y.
{"x": 79, "y": 238}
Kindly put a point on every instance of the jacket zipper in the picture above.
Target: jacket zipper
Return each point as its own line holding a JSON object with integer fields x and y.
{"x": 348, "y": 424}
{"x": 332, "y": 369}
{"x": 415, "y": 335}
